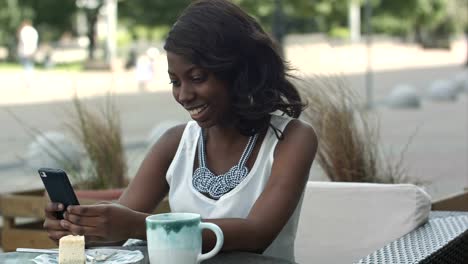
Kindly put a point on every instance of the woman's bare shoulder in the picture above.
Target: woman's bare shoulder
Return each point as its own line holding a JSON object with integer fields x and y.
{"x": 174, "y": 133}
{"x": 300, "y": 136}
{"x": 169, "y": 141}
{"x": 297, "y": 127}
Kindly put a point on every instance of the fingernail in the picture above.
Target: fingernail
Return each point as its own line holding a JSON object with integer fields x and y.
{"x": 60, "y": 206}
{"x": 63, "y": 223}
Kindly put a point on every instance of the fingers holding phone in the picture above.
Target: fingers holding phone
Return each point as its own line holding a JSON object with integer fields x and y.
{"x": 52, "y": 209}
{"x": 107, "y": 222}
{"x": 61, "y": 194}
{"x": 52, "y": 223}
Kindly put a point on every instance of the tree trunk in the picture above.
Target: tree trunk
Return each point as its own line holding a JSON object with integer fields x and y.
{"x": 418, "y": 35}
{"x": 466, "y": 40}
{"x": 92, "y": 16}
{"x": 92, "y": 21}
{"x": 11, "y": 52}
{"x": 278, "y": 24}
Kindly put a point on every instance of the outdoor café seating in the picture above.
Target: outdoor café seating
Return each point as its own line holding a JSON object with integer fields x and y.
{"x": 377, "y": 223}
{"x": 359, "y": 223}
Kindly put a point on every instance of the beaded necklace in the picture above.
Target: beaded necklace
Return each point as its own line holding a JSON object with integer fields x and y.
{"x": 205, "y": 181}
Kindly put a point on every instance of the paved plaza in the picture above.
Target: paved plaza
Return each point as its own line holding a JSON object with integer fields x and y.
{"x": 437, "y": 153}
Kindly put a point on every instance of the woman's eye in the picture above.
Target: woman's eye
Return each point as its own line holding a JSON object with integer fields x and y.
{"x": 174, "y": 82}
{"x": 198, "y": 79}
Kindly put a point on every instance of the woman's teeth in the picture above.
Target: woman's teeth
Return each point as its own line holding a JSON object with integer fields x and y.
{"x": 197, "y": 110}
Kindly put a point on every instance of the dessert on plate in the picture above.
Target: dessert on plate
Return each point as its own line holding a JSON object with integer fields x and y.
{"x": 72, "y": 250}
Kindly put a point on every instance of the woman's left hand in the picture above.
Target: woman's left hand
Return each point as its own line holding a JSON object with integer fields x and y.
{"x": 104, "y": 222}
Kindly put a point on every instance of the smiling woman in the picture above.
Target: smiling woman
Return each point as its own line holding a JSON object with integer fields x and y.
{"x": 203, "y": 95}
{"x": 241, "y": 163}
{"x": 222, "y": 39}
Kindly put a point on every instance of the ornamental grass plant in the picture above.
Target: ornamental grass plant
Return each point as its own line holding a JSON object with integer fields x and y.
{"x": 90, "y": 149}
{"x": 99, "y": 134}
{"x": 349, "y": 137}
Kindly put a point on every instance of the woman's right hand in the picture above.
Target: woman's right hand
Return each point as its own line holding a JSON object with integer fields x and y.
{"x": 52, "y": 224}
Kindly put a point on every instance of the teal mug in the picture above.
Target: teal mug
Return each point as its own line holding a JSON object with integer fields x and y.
{"x": 176, "y": 238}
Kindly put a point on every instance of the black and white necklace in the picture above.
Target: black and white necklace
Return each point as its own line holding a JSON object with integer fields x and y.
{"x": 216, "y": 186}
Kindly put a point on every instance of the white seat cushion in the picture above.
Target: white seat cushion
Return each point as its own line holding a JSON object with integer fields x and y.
{"x": 343, "y": 222}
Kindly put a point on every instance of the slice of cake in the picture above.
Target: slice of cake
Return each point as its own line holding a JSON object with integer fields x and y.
{"x": 72, "y": 250}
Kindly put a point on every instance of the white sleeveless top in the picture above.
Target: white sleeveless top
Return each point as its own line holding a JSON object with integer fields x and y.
{"x": 237, "y": 203}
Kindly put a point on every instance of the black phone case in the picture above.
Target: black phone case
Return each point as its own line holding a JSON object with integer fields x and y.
{"x": 58, "y": 187}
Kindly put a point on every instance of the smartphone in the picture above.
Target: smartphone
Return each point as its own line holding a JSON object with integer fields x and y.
{"x": 59, "y": 188}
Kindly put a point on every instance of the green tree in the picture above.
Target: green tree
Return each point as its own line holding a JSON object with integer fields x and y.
{"x": 301, "y": 15}
{"x": 431, "y": 20}
{"x": 91, "y": 10}
{"x": 50, "y": 17}
{"x": 428, "y": 22}
{"x": 150, "y": 14}
{"x": 11, "y": 15}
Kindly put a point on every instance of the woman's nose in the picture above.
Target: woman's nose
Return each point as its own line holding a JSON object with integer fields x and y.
{"x": 186, "y": 94}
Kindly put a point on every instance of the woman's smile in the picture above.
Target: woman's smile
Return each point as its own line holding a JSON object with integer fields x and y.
{"x": 198, "y": 111}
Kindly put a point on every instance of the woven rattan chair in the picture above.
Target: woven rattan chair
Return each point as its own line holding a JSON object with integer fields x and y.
{"x": 443, "y": 239}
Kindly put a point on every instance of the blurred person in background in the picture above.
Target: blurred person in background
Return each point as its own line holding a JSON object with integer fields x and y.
{"x": 143, "y": 71}
{"x": 145, "y": 68}
{"x": 27, "y": 46}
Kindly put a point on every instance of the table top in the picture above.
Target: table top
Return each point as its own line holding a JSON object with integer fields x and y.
{"x": 224, "y": 258}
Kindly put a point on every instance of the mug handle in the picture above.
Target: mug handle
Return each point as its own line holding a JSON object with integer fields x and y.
{"x": 219, "y": 241}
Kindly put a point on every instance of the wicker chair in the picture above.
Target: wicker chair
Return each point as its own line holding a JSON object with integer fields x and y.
{"x": 443, "y": 239}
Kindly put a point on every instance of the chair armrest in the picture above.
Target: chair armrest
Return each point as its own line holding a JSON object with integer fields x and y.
{"x": 443, "y": 239}
{"x": 455, "y": 251}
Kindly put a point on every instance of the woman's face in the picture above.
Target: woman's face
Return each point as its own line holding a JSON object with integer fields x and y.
{"x": 205, "y": 97}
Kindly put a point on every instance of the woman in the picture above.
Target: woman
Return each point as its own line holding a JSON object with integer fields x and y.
{"x": 244, "y": 160}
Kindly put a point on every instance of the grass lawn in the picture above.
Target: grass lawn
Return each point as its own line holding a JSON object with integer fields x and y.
{"x": 75, "y": 67}
{"x": 9, "y": 66}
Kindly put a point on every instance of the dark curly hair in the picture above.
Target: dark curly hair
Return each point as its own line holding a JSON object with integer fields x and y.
{"x": 220, "y": 37}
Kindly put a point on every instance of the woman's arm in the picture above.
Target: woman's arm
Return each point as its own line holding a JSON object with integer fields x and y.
{"x": 149, "y": 186}
{"x": 293, "y": 158}
{"x": 108, "y": 222}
